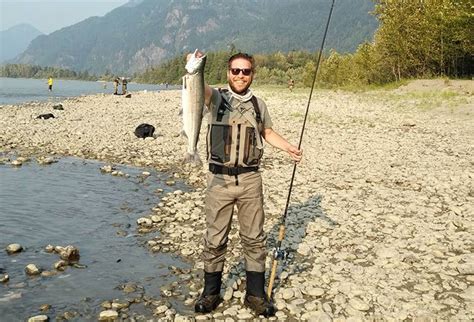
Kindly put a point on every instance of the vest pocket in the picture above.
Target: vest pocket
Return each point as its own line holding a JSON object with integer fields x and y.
{"x": 252, "y": 154}
{"x": 220, "y": 143}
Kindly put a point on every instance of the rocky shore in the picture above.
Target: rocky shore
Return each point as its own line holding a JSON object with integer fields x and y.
{"x": 381, "y": 220}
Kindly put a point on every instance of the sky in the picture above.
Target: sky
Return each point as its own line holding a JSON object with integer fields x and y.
{"x": 51, "y": 15}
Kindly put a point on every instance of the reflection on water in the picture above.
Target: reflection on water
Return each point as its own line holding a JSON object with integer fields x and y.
{"x": 72, "y": 203}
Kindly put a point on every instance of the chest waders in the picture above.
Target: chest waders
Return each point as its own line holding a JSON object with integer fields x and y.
{"x": 278, "y": 253}
{"x": 232, "y": 147}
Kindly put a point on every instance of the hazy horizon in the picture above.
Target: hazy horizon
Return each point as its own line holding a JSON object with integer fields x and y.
{"x": 50, "y": 15}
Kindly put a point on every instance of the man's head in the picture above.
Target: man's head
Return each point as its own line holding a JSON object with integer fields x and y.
{"x": 240, "y": 71}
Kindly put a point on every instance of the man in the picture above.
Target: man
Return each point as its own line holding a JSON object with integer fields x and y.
{"x": 237, "y": 122}
{"x": 124, "y": 86}
{"x": 116, "y": 84}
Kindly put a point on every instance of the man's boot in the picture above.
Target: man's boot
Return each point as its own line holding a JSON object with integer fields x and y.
{"x": 210, "y": 297}
{"x": 255, "y": 298}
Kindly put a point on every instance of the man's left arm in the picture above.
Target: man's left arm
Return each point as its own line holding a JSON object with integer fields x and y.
{"x": 279, "y": 142}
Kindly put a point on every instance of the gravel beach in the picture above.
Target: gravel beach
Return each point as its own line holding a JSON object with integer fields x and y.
{"x": 381, "y": 219}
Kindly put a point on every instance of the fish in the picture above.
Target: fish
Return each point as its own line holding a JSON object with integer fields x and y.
{"x": 192, "y": 105}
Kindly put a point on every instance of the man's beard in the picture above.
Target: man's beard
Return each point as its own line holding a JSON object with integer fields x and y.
{"x": 239, "y": 92}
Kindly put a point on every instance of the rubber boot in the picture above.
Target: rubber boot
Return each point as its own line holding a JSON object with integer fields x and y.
{"x": 210, "y": 297}
{"x": 255, "y": 298}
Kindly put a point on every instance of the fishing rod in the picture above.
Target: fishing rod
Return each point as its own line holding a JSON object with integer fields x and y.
{"x": 278, "y": 253}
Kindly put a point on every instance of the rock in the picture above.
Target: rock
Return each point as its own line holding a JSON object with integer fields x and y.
{"x": 38, "y": 318}
{"x": 70, "y": 254}
{"x": 466, "y": 268}
{"x": 314, "y": 291}
{"x": 228, "y": 293}
{"x": 32, "y": 269}
{"x": 49, "y": 248}
{"x": 144, "y": 222}
{"x": 14, "y": 248}
{"x": 16, "y": 163}
{"x": 49, "y": 273}
{"x": 358, "y": 304}
{"x": 108, "y": 315}
{"x": 160, "y": 310}
{"x": 45, "y": 307}
{"x": 304, "y": 249}
{"x": 4, "y": 278}
{"x": 60, "y": 265}
{"x": 288, "y": 293}
{"x": 468, "y": 293}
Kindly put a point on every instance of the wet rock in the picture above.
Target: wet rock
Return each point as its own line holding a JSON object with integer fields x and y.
{"x": 129, "y": 288}
{"x": 16, "y": 163}
{"x": 4, "y": 278}
{"x": 46, "y": 160}
{"x": 69, "y": 254}
{"x": 14, "y": 248}
{"x": 39, "y": 318}
{"x": 49, "y": 248}
{"x": 45, "y": 307}
{"x": 145, "y": 222}
{"x": 61, "y": 265}
{"x": 108, "y": 316}
{"x": 32, "y": 269}
{"x": 49, "y": 273}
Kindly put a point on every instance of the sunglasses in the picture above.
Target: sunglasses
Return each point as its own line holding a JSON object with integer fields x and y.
{"x": 245, "y": 71}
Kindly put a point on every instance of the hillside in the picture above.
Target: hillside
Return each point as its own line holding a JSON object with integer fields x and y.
{"x": 15, "y": 40}
{"x": 145, "y": 33}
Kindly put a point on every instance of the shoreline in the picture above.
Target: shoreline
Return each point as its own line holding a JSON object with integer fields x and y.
{"x": 379, "y": 222}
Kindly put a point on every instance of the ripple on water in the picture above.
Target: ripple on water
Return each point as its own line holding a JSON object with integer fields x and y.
{"x": 72, "y": 203}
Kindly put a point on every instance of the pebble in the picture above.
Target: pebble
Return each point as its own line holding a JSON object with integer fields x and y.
{"x": 358, "y": 304}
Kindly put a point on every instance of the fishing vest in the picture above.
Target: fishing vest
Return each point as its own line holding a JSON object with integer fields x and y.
{"x": 232, "y": 135}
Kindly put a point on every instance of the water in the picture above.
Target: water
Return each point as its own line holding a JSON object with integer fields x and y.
{"x": 20, "y": 90}
{"x": 72, "y": 203}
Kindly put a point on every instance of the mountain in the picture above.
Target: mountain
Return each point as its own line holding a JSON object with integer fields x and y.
{"x": 144, "y": 33}
{"x": 15, "y": 40}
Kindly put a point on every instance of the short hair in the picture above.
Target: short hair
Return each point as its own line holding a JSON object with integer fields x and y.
{"x": 241, "y": 55}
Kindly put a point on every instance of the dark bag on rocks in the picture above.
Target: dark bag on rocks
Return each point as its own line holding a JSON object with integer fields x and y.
{"x": 45, "y": 116}
{"x": 144, "y": 130}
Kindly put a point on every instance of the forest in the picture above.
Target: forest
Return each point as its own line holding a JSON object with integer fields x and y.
{"x": 415, "y": 39}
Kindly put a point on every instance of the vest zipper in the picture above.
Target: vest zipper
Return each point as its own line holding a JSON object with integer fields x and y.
{"x": 237, "y": 153}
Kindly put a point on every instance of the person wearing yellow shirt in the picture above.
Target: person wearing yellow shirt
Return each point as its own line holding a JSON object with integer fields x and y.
{"x": 50, "y": 83}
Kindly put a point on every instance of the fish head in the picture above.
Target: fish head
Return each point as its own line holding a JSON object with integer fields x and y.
{"x": 196, "y": 62}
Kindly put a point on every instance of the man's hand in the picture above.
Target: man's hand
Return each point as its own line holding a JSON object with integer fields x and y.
{"x": 295, "y": 154}
{"x": 196, "y": 54}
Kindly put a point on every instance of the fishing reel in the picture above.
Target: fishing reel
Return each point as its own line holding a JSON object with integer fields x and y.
{"x": 279, "y": 254}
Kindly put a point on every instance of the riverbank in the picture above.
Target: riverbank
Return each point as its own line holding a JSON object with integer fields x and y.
{"x": 381, "y": 219}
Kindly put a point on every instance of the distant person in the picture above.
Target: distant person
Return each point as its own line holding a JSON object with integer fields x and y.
{"x": 291, "y": 84}
{"x": 116, "y": 84}
{"x": 124, "y": 86}
{"x": 50, "y": 83}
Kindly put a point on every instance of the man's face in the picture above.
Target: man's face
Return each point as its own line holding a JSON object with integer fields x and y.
{"x": 239, "y": 83}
